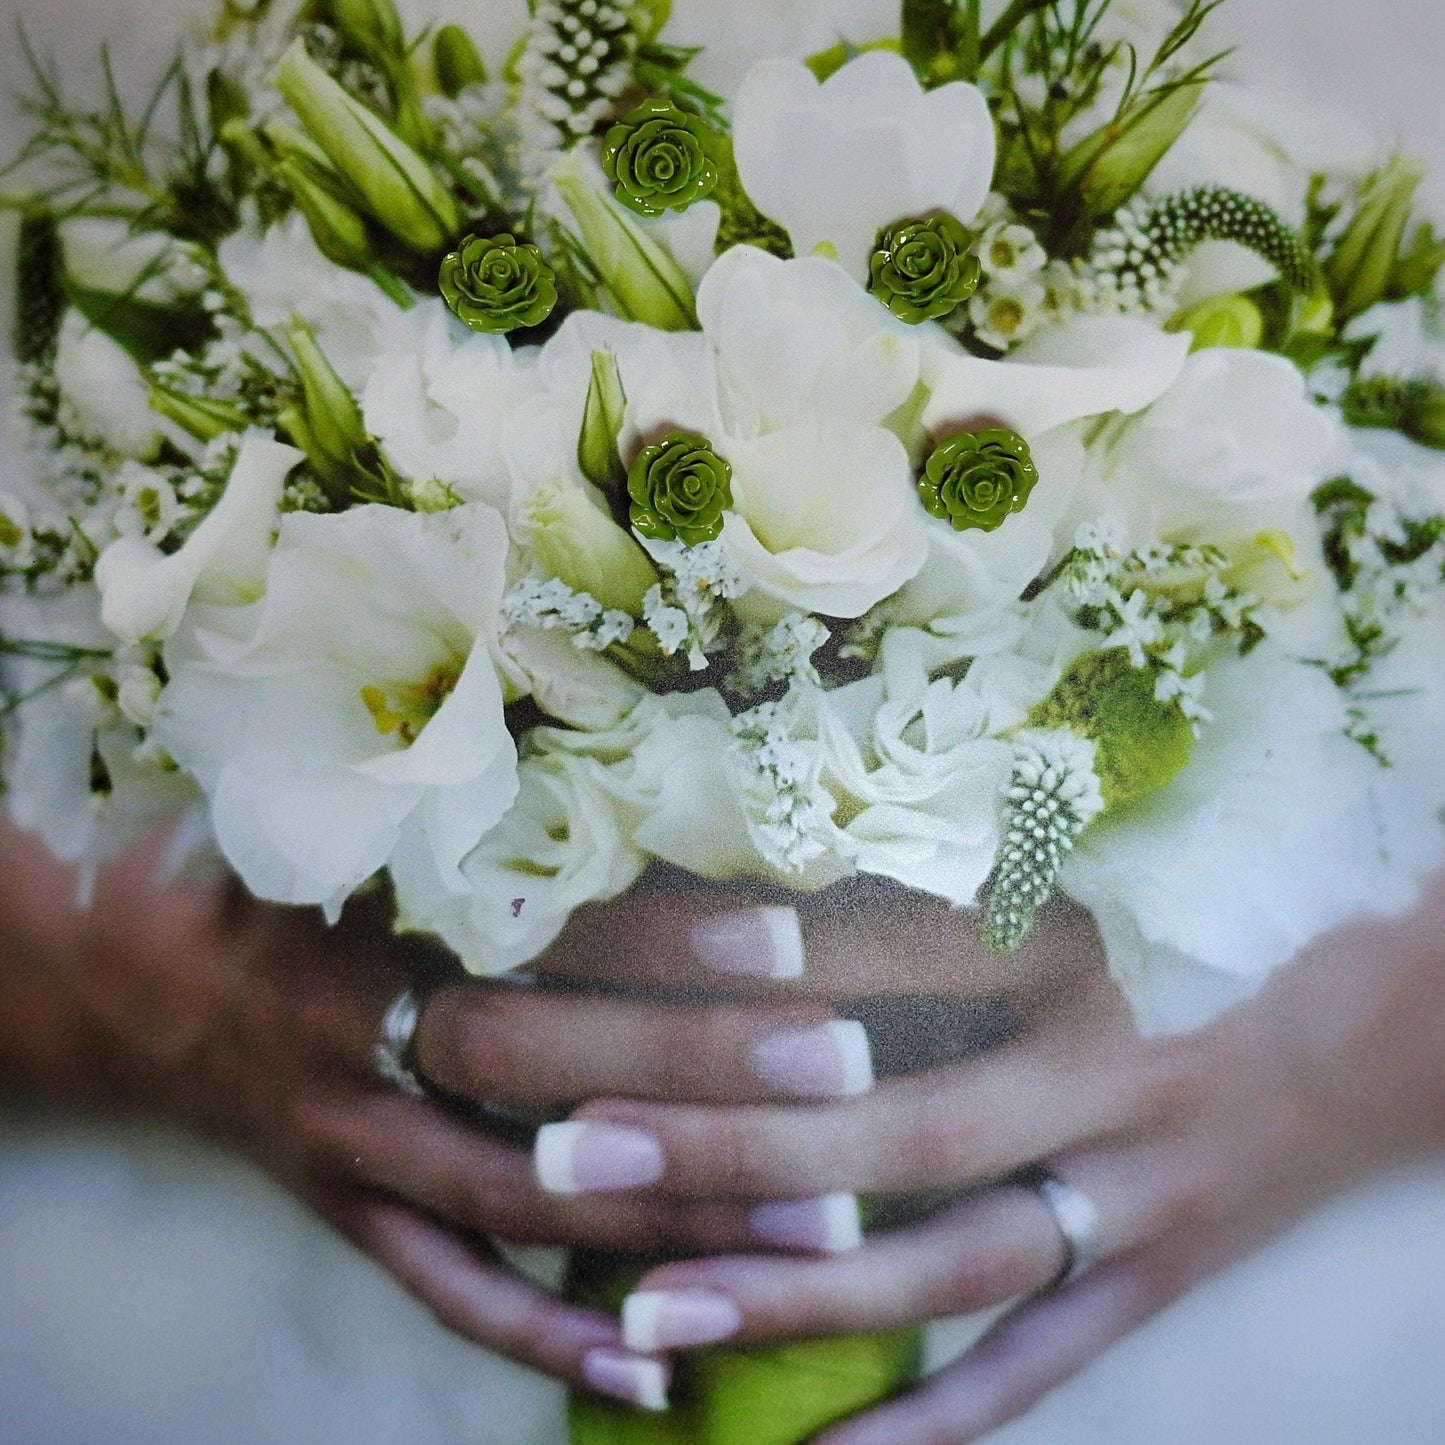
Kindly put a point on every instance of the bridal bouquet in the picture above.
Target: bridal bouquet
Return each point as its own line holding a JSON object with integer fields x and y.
{"x": 989, "y": 449}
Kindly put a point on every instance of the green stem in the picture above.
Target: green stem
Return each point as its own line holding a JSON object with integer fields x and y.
{"x": 1017, "y": 12}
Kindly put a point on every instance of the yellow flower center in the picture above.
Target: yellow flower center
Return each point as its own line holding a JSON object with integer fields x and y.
{"x": 406, "y": 709}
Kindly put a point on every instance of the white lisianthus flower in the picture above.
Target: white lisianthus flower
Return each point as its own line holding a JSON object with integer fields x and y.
{"x": 357, "y": 699}
{"x": 917, "y": 773}
{"x": 905, "y": 151}
{"x": 76, "y": 775}
{"x": 284, "y": 278}
{"x": 826, "y": 516}
{"x": 797, "y": 341}
{"x": 1253, "y": 850}
{"x": 144, "y": 592}
{"x": 103, "y": 386}
{"x": 560, "y": 845}
{"x": 439, "y": 399}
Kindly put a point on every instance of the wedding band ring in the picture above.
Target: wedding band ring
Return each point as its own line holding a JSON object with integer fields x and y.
{"x": 1077, "y": 1220}
{"x": 392, "y": 1055}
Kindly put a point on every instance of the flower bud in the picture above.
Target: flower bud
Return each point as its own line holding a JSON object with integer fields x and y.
{"x": 602, "y": 421}
{"x": 1107, "y": 167}
{"x": 339, "y": 233}
{"x": 1359, "y": 268}
{"x": 328, "y": 426}
{"x": 456, "y": 61}
{"x": 393, "y": 182}
{"x": 646, "y": 283}
{"x": 977, "y": 479}
{"x": 576, "y": 540}
{"x": 199, "y": 416}
{"x": 371, "y": 26}
{"x": 1233, "y": 321}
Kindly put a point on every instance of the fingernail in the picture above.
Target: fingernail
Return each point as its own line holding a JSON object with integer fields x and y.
{"x": 626, "y": 1377}
{"x": 827, "y": 1061}
{"x": 829, "y": 1225}
{"x": 583, "y": 1157}
{"x": 676, "y": 1319}
{"x": 754, "y": 942}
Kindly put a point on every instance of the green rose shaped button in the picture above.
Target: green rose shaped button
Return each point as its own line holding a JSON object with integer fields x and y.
{"x": 680, "y": 489}
{"x": 660, "y": 158}
{"x": 498, "y": 284}
{"x": 976, "y": 479}
{"x": 923, "y": 270}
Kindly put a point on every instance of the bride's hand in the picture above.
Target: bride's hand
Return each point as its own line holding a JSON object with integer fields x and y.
{"x": 256, "y": 1026}
{"x": 1192, "y": 1151}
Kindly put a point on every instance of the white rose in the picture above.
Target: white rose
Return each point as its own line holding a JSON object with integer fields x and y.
{"x": 904, "y": 151}
{"x": 916, "y": 772}
{"x": 560, "y": 845}
{"x": 359, "y": 697}
{"x": 144, "y": 592}
{"x": 105, "y": 388}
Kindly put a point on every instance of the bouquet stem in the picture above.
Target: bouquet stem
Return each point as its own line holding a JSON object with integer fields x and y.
{"x": 746, "y": 1394}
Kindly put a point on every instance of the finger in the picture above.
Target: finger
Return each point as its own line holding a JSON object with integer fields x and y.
{"x": 1031, "y": 1350}
{"x": 472, "y": 1293}
{"x": 532, "y": 1048}
{"x": 996, "y": 1247}
{"x": 967, "y": 1124}
{"x": 424, "y": 1155}
{"x": 867, "y": 940}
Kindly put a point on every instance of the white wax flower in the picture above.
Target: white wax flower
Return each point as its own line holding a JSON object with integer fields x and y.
{"x": 797, "y": 341}
{"x": 561, "y": 844}
{"x": 439, "y": 399}
{"x": 144, "y": 592}
{"x": 904, "y": 151}
{"x": 358, "y": 697}
{"x": 104, "y": 387}
{"x": 825, "y": 516}
{"x": 1083, "y": 366}
{"x": 284, "y": 278}
{"x": 917, "y": 773}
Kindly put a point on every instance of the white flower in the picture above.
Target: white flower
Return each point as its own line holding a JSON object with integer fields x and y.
{"x": 1406, "y": 345}
{"x": 284, "y": 278}
{"x": 149, "y": 505}
{"x": 108, "y": 255}
{"x": 356, "y": 699}
{"x": 1004, "y": 314}
{"x": 439, "y": 399}
{"x": 144, "y": 592}
{"x": 825, "y": 516}
{"x": 1010, "y": 253}
{"x": 1263, "y": 842}
{"x": 105, "y": 389}
{"x": 1085, "y": 366}
{"x": 797, "y": 341}
{"x": 904, "y": 151}
{"x": 916, "y": 773}
{"x": 560, "y": 845}
{"x": 17, "y": 543}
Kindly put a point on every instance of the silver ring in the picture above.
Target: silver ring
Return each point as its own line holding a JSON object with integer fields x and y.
{"x": 1077, "y": 1219}
{"x": 392, "y": 1055}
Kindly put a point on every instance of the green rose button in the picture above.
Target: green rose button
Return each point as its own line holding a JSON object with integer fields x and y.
{"x": 976, "y": 479}
{"x": 498, "y": 284}
{"x": 922, "y": 270}
{"x": 660, "y": 158}
{"x": 680, "y": 489}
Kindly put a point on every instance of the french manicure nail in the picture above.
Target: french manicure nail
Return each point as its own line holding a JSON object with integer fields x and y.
{"x": 626, "y": 1377}
{"x": 827, "y": 1061}
{"x": 677, "y": 1319}
{"x": 581, "y": 1156}
{"x": 830, "y": 1224}
{"x": 754, "y": 942}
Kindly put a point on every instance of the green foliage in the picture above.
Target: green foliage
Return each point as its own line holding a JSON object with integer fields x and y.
{"x": 39, "y": 292}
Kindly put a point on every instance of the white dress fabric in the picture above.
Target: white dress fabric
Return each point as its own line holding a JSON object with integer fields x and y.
{"x": 153, "y": 1292}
